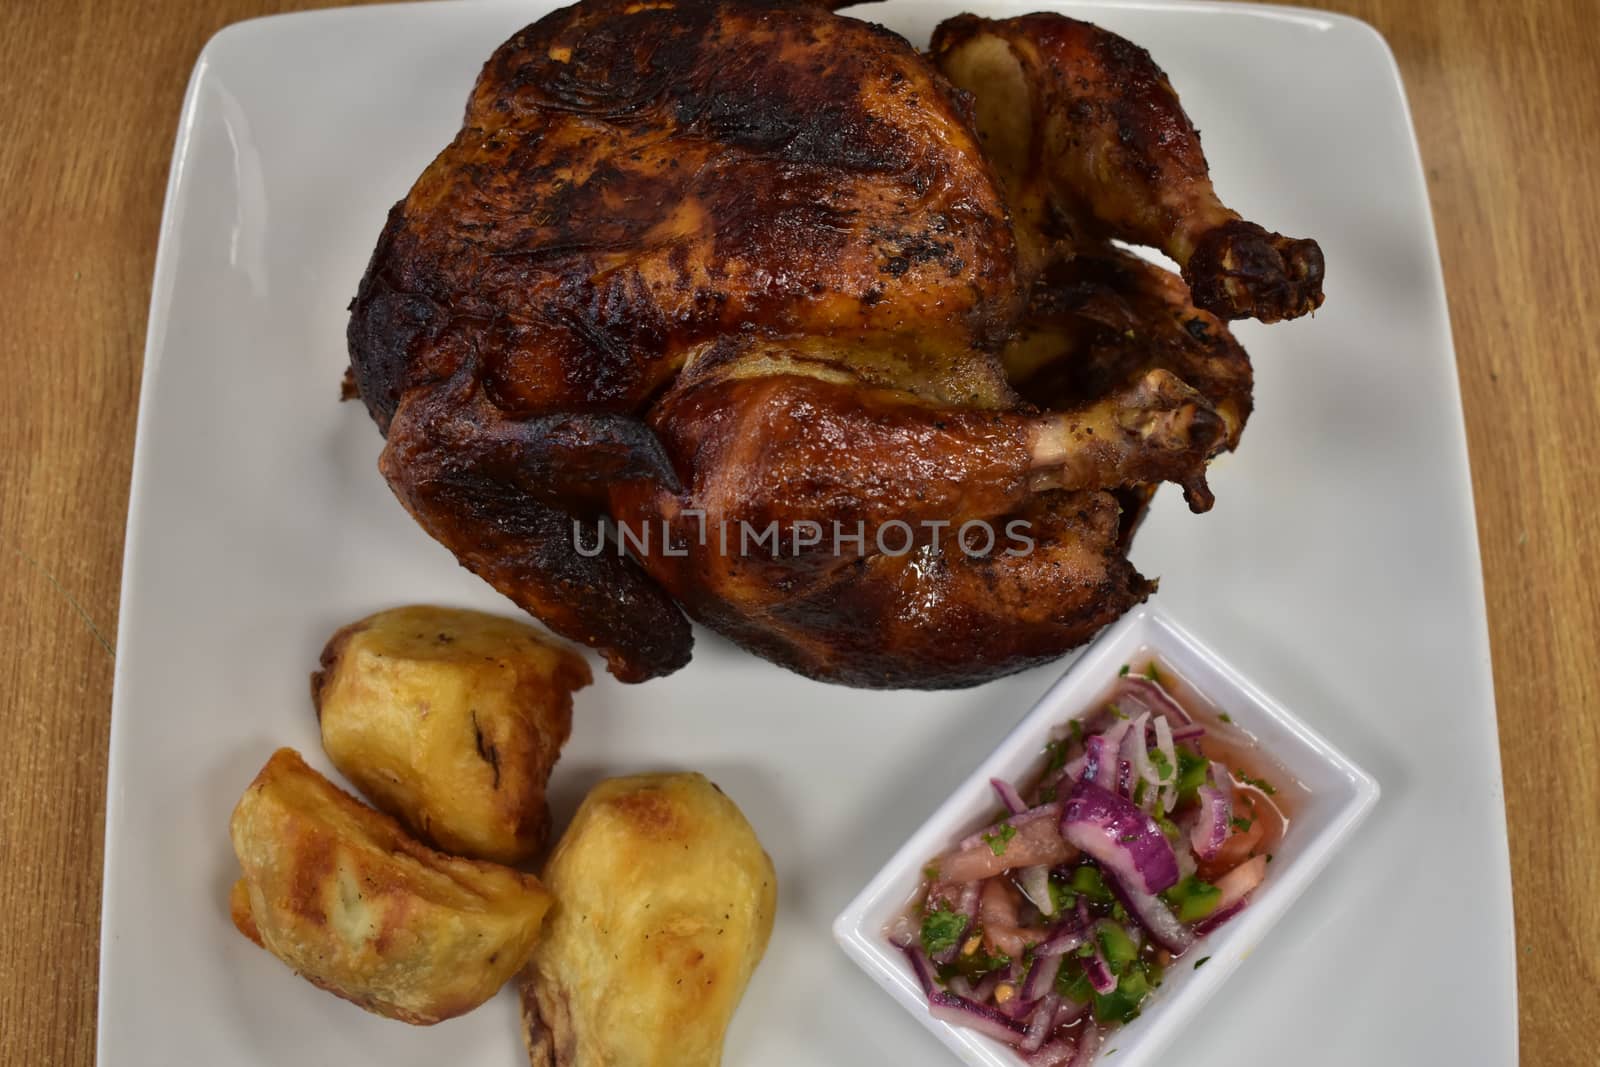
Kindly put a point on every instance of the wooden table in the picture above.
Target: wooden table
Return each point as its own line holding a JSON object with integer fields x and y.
{"x": 1505, "y": 100}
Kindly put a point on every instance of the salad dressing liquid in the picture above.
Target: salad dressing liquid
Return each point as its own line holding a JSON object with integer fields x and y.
{"x": 1239, "y": 750}
{"x": 1265, "y": 797}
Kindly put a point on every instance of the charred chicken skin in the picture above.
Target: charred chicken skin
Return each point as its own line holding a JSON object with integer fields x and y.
{"x": 711, "y": 269}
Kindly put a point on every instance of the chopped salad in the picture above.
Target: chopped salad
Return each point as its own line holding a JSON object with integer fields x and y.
{"x": 1051, "y": 926}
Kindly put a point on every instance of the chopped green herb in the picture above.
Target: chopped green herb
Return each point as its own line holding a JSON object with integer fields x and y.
{"x": 1118, "y": 913}
{"x": 1168, "y": 827}
{"x": 1123, "y": 673}
{"x": 1128, "y": 839}
{"x": 1260, "y": 783}
{"x": 931, "y": 872}
{"x": 1242, "y": 825}
{"x": 997, "y": 840}
{"x": 1269, "y": 857}
{"x": 1118, "y": 712}
{"x": 1151, "y": 673}
{"x": 1225, "y": 717}
{"x": 1076, "y": 729}
{"x": 1140, "y": 790}
{"x": 1162, "y": 764}
{"x": 1056, "y": 752}
{"x": 1201, "y": 962}
{"x": 941, "y": 929}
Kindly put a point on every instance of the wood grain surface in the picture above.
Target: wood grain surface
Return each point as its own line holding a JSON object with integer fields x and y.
{"x": 1505, "y": 100}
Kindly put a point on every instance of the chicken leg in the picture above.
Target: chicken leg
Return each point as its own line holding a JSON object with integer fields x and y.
{"x": 1083, "y": 125}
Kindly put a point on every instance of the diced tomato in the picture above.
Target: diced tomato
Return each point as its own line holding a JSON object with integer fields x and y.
{"x": 1234, "y": 851}
{"x": 1239, "y": 882}
{"x": 1036, "y": 842}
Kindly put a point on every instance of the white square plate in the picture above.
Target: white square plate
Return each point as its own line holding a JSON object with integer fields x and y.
{"x": 1338, "y": 796}
{"x": 1339, "y": 570}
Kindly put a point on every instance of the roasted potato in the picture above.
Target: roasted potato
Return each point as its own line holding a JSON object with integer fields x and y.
{"x": 450, "y": 721}
{"x": 664, "y": 904}
{"x": 341, "y": 894}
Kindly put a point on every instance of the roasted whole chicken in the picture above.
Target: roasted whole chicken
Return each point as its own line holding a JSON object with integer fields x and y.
{"x": 749, "y": 310}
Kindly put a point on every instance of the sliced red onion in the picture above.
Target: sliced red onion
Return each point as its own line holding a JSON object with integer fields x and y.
{"x": 1193, "y": 732}
{"x": 1017, "y": 1008}
{"x": 1008, "y": 796}
{"x": 1040, "y": 1023}
{"x": 1137, "y": 756}
{"x": 1153, "y": 696}
{"x": 1059, "y": 944}
{"x": 1088, "y": 1045}
{"x": 1041, "y": 976}
{"x": 1212, "y": 823}
{"x": 1152, "y": 913}
{"x": 1035, "y": 885}
{"x": 1218, "y": 917}
{"x": 1186, "y": 862}
{"x": 1054, "y": 1054}
{"x": 1107, "y": 768}
{"x": 1124, "y": 840}
{"x": 1070, "y": 1011}
{"x": 1169, "y": 751}
{"x": 959, "y": 986}
{"x": 1099, "y": 762}
{"x": 983, "y": 992}
{"x": 963, "y": 1011}
{"x": 1101, "y": 977}
{"x": 922, "y": 967}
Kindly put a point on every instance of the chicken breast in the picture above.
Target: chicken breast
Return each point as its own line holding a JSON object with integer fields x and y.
{"x": 664, "y": 905}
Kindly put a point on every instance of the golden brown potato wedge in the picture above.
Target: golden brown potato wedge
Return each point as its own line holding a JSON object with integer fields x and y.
{"x": 450, "y": 721}
{"x": 664, "y": 904}
{"x": 341, "y": 894}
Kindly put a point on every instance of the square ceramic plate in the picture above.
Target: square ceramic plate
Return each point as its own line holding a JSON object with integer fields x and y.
{"x": 1339, "y": 569}
{"x": 1336, "y": 796}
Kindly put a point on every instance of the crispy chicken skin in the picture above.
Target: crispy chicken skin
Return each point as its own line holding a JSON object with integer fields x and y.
{"x": 1084, "y": 126}
{"x": 342, "y": 895}
{"x": 450, "y": 721}
{"x": 664, "y": 905}
{"x": 700, "y": 266}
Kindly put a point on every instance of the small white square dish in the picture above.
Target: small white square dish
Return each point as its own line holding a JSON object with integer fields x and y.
{"x": 1336, "y": 797}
